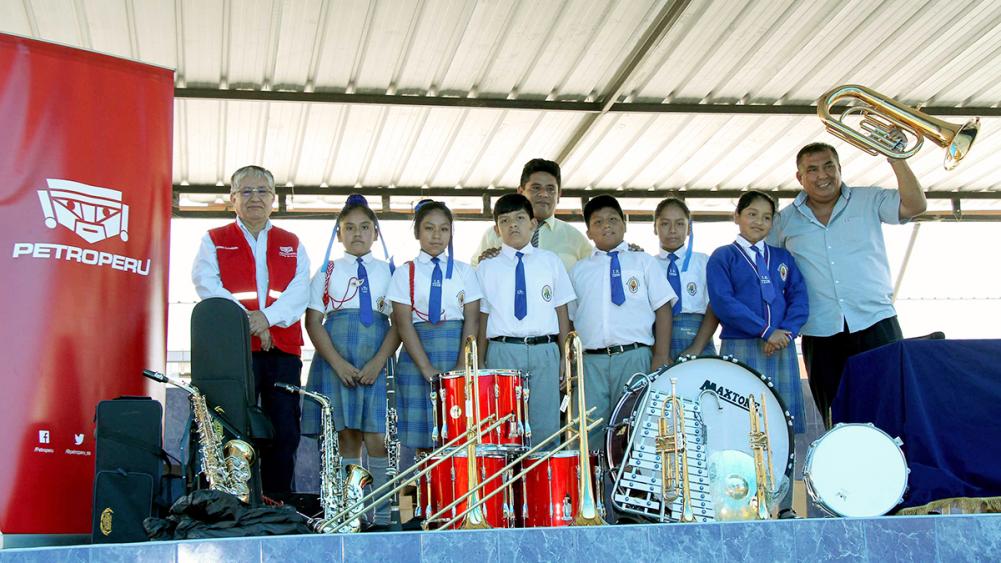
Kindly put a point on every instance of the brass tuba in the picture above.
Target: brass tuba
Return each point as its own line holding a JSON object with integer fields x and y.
{"x": 885, "y": 124}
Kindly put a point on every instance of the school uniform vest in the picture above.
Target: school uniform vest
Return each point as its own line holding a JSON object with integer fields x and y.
{"x": 239, "y": 276}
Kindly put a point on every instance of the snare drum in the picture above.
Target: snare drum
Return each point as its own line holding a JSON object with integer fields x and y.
{"x": 501, "y": 394}
{"x": 856, "y": 470}
{"x": 449, "y": 480}
{"x": 548, "y": 494}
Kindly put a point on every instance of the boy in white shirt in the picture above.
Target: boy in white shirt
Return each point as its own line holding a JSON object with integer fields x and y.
{"x": 523, "y": 313}
{"x": 623, "y": 310}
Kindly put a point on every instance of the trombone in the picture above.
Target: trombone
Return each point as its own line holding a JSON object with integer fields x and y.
{"x": 884, "y": 122}
{"x": 587, "y": 512}
{"x": 510, "y": 480}
{"x": 475, "y": 430}
{"x": 406, "y": 477}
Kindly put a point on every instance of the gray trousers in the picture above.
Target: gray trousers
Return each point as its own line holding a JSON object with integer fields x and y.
{"x": 541, "y": 362}
{"x": 604, "y": 379}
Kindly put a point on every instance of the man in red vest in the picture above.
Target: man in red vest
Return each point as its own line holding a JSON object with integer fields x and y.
{"x": 265, "y": 269}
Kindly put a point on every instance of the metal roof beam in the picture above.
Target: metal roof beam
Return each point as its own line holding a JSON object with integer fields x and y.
{"x": 665, "y": 19}
{"x": 643, "y": 215}
{"x": 480, "y": 192}
{"x": 540, "y": 104}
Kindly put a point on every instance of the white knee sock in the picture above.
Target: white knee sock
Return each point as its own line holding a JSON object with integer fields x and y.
{"x": 377, "y": 466}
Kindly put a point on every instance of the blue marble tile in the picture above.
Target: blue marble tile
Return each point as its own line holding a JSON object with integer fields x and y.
{"x": 479, "y": 546}
{"x": 685, "y": 542}
{"x": 219, "y": 551}
{"x": 165, "y": 552}
{"x": 397, "y": 547}
{"x": 304, "y": 549}
{"x": 46, "y": 555}
{"x": 539, "y": 544}
{"x": 613, "y": 543}
{"x": 968, "y": 538}
{"x": 831, "y": 539}
{"x": 900, "y": 538}
{"x": 773, "y": 540}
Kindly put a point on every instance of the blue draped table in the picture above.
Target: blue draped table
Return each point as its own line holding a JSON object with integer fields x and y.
{"x": 943, "y": 399}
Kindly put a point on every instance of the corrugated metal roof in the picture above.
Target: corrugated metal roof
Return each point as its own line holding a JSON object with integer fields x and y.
{"x": 942, "y": 53}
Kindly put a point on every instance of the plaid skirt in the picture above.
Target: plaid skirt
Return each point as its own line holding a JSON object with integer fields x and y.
{"x": 442, "y": 343}
{"x": 362, "y": 407}
{"x": 683, "y": 330}
{"x": 782, "y": 368}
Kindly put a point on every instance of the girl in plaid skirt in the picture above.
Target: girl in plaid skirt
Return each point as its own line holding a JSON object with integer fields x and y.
{"x": 347, "y": 320}
{"x": 693, "y": 321}
{"x": 760, "y": 298}
{"x": 436, "y": 305}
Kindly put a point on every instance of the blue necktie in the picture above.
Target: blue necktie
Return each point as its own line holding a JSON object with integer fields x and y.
{"x": 434, "y": 302}
{"x": 767, "y": 289}
{"x": 520, "y": 293}
{"x": 674, "y": 278}
{"x": 364, "y": 295}
{"x": 618, "y": 294}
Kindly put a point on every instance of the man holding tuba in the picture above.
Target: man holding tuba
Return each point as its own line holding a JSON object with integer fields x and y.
{"x": 835, "y": 234}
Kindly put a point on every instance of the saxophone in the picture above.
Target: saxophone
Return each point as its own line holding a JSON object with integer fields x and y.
{"x": 339, "y": 486}
{"x": 227, "y": 468}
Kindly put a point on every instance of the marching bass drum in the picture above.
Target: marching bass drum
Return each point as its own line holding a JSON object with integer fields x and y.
{"x": 721, "y": 386}
{"x": 856, "y": 470}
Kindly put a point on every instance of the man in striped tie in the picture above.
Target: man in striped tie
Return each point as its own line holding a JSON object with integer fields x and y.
{"x": 540, "y": 183}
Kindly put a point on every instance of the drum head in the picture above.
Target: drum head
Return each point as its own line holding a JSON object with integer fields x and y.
{"x": 727, "y": 420}
{"x": 856, "y": 470}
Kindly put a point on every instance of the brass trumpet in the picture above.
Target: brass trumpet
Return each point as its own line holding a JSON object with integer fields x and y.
{"x": 884, "y": 122}
{"x": 762, "y": 451}
{"x": 673, "y": 449}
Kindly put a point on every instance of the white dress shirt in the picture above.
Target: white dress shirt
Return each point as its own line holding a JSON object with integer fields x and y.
{"x": 601, "y": 323}
{"x": 694, "y": 295}
{"x": 344, "y": 284}
{"x": 455, "y": 293}
{"x": 286, "y": 310}
{"x": 547, "y": 287}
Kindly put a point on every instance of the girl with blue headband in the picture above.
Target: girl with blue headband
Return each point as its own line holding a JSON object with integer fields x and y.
{"x": 436, "y": 305}
{"x": 347, "y": 320}
{"x": 693, "y": 322}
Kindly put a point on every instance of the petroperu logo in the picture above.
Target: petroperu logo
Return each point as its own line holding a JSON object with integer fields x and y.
{"x": 94, "y": 214}
{"x": 286, "y": 251}
{"x": 91, "y": 212}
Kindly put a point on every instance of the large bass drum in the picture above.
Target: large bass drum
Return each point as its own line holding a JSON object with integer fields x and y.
{"x": 720, "y": 385}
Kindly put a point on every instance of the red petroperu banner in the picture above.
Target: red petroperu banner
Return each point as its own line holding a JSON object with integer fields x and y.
{"x": 85, "y": 200}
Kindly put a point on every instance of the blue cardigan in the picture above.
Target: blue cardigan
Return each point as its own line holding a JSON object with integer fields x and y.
{"x": 735, "y": 293}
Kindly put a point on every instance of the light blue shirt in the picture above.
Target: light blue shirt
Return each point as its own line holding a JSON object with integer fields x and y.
{"x": 844, "y": 262}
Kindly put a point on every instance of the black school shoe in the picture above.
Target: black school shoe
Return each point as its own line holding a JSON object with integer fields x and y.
{"x": 788, "y": 514}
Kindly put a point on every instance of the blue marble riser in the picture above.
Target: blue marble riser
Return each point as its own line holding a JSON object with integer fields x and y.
{"x": 915, "y": 538}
